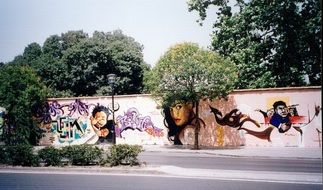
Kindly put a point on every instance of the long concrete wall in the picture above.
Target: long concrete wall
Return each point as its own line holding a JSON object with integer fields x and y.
{"x": 241, "y": 120}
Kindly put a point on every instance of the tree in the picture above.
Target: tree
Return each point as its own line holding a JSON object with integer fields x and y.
{"x": 53, "y": 46}
{"x": 129, "y": 62}
{"x": 90, "y": 61}
{"x": 32, "y": 52}
{"x": 273, "y": 43}
{"x": 21, "y": 94}
{"x": 71, "y": 38}
{"x": 187, "y": 72}
{"x": 74, "y": 64}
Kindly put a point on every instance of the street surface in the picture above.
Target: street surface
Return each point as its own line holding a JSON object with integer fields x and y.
{"x": 163, "y": 168}
{"x": 74, "y": 181}
{"x": 207, "y": 161}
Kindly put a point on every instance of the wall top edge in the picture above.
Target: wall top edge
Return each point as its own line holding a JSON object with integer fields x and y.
{"x": 280, "y": 88}
{"x": 233, "y": 92}
{"x": 98, "y": 97}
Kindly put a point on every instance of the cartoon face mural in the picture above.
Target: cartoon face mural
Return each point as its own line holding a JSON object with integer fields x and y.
{"x": 99, "y": 120}
{"x": 280, "y": 116}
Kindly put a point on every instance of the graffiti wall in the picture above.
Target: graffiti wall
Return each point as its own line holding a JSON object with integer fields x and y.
{"x": 269, "y": 117}
{"x": 89, "y": 120}
{"x": 280, "y": 117}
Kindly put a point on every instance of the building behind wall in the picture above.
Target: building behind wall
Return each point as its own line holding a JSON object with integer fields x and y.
{"x": 241, "y": 120}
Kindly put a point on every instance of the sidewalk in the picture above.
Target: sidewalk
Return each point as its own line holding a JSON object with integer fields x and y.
{"x": 259, "y": 152}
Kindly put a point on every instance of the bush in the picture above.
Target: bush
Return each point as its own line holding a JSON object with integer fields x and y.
{"x": 124, "y": 154}
{"x": 21, "y": 155}
{"x": 51, "y": 156}
{"x": 82, "y": 154}
{"x": 4, "y": 156}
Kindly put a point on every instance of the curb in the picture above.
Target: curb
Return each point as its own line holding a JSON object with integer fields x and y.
{"x": 177, "y": 172}
{"x": 254, "y": 152}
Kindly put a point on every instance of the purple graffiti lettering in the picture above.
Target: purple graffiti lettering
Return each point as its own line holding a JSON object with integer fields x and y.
{"x": 55, "y": 109}
{"x": 79, "y": 106}
{"x": 132, "y": 120}
{"x": 43, "y": 115}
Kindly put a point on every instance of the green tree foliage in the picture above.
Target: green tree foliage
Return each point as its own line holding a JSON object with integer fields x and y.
{"x": 129, "y": 64}
{"x": 53, "y": 46}
{"x": 21, "y": 94}
{"x": 273, "y": 43}
{"x": 74, "y": 64}
{"x": 32, "y": 52}
{"x": 188, "y": 73}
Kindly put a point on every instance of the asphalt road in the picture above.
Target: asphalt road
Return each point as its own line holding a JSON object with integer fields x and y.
{"x": 205, "y": 161}
{"x": 176, "y": 170}
{"x": 74, "y": 181}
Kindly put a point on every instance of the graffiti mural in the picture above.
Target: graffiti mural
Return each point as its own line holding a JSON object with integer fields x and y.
{"x": 70, "y": 123}
{"x": 234, "y": 118}
{"x": 267, "y": 117}
{"x": 68, "y": 130}
{"x": 132, "y": 120}
{"x": 280, "y": 117}
{"x": 181, "y": 122}
{"x": 77, "y": 122}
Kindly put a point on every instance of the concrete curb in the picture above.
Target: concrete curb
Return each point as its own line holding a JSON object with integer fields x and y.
{"x": 243, "y": 175}
{"x": 256, "y": 152}
{"x": 177, "y": 172}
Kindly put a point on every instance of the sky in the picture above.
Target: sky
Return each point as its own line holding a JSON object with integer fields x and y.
{"x": 156, "y": 24}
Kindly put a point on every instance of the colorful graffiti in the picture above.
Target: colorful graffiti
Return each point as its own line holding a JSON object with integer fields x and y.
{"x": 280, "y": 116}
{"x": 132, "y": 120}
{"x": 69, "y": 130}
{"x": 180, "y": 120}
{"x": 68, "y": 123}
{"x": 74, "y": 123}
{"x": 265, "y": 119}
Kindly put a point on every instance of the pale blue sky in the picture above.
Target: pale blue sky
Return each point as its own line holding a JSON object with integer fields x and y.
{"x": 156, "y": 24}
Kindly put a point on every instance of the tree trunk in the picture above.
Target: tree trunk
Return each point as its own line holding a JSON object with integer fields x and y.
{"x": 197, "y": 125}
